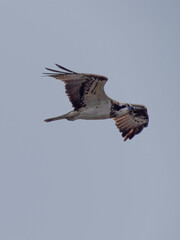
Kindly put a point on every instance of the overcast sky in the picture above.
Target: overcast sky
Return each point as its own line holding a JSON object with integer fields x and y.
{"x": 79, "y": 180}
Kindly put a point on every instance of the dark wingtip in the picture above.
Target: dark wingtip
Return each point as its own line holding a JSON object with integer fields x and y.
{"x": 55, "y": 72}
{"x": 65, "y": 69}
{"x": 52, "y": 70}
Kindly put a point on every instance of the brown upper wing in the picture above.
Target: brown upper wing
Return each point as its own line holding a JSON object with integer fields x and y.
{"x": 133, "y": 122}
{"x": 82, "y": 89}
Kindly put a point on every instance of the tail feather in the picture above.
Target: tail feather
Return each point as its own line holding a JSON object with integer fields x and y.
{"x": 56, "y": 118}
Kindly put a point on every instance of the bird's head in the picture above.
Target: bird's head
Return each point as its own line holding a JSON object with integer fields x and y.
{"x": 140, "y": 110}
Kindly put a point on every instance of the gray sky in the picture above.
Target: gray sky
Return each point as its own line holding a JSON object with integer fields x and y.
{"x": 79, "y": 180}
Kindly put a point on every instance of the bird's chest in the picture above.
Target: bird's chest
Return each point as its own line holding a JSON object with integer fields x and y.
{"x": 97, "y": 111}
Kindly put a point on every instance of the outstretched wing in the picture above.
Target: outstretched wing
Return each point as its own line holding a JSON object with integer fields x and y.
{"x": 82, "y": 89}
{"x": 133, "y": 122}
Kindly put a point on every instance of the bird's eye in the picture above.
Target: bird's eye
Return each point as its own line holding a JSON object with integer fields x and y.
{"x": 131, "y": 107}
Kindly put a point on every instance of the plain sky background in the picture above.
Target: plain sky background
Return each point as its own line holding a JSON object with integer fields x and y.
{"x": 79, "y": 180}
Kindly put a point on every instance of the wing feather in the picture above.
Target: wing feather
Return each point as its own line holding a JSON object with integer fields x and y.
{"x": 82, "y": 89}
{"x": 133, "y": 122}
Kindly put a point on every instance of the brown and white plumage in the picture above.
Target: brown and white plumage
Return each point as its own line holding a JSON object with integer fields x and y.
{"x": 132, "y": 123}
{"x": 86, "y": 93}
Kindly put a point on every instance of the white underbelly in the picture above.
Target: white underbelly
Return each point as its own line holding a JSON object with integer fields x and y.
{"x": 101, "y": 111}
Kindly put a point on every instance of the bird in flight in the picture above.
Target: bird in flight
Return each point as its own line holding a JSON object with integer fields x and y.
{"x": 90, "y": 102}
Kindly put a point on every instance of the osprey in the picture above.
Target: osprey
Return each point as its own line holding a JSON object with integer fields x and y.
{"x": 86, "y": 93}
